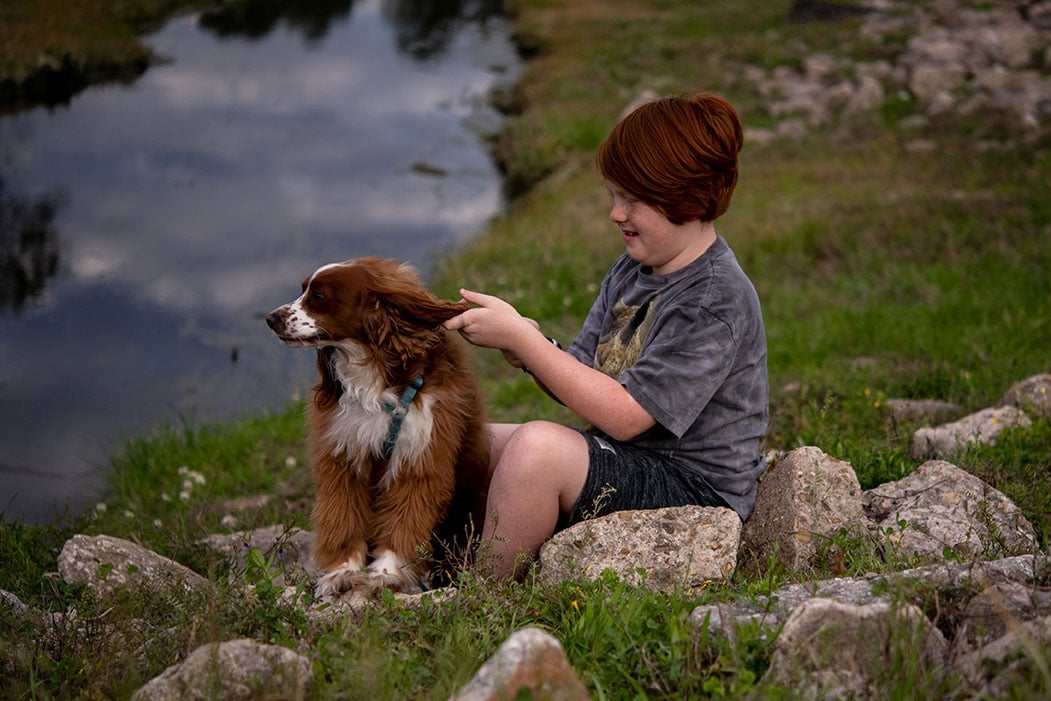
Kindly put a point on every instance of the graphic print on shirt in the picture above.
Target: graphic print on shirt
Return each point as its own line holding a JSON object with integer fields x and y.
{"x": 620, "y": 347}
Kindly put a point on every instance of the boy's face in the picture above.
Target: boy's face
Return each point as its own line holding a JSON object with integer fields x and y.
{"x": 652, "y": 240}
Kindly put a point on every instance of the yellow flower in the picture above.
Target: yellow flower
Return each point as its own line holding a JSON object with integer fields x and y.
{"x": 574, "y": 605}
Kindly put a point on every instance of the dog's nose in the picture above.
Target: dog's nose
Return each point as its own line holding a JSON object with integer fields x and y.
{"x": 273, "y": 319}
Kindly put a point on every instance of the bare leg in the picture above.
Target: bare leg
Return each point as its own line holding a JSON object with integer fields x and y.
{"x": 499, "y": 435}
{"x": 539, "y": 471}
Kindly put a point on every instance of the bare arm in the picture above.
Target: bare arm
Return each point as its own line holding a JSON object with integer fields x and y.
{"x": 594, "y": 396}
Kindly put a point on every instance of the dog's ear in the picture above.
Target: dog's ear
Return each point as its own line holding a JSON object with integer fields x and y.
{"x": 402, "y": 294}
{"x": 424, "y": 308}
{"x": 394, "y": 337}
{"x": 401, "y": 317}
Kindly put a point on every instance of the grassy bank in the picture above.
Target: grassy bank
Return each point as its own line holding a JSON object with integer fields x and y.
{"x": 52, "y": 49}
{"x": 883, "y": 272}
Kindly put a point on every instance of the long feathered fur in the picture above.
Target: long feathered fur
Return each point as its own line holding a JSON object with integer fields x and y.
{"x": 379, "y": 522}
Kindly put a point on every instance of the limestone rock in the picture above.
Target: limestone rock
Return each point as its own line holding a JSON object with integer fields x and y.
{"x": 990, "y": 614}
{"x": 948, "y": 47}
{"x": 918, "y": 409}
{"x": 1032, "y": 394}
{"x": 987, "y": 673}
{"x": 529, "y": 664}
{"x": 234, "y": 670}
{"x": 676, "y": 547}
{"x": 12, "y": 601}
{"x": 354, "y": 605}
{"x": 805, "y": 495}
{"x": 289, "y": 548}
{"x": 943, "y": 507}
{"x": 980, "y": 427}
{"x": 105, "y": 563}
{"x": 831, "y": 650}
{"x": 770, "y": 611}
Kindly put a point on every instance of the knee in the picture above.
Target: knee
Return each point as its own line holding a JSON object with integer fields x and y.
{"x": 534, "y": 448}
{"x": 535, "y": 437}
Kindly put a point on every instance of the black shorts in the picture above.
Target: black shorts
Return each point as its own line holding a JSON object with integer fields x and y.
{"x": 624, "y": 477}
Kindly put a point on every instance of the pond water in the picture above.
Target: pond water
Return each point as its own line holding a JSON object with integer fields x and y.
{"x": 145, "y": 230}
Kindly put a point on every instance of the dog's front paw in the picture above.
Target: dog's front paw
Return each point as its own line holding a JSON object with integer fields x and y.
{"x": 342, "y": 579}
{"x": 388, "y": 571}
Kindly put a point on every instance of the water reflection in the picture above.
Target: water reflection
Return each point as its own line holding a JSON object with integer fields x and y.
{"x": 425, "y": 28}
{"x": 256, "y": 18}
{"x": 198, "y": 198}
{"x": 28, "y": 247}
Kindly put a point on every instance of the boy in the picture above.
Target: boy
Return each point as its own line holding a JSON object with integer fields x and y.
{"x": 669, "y": 369}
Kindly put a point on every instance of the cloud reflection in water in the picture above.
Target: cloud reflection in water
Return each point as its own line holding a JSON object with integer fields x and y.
{"x": 196, "y": 200}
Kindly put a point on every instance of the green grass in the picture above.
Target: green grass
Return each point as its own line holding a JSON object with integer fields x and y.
{"x": 883, "y": 272}
{"x": 172, "y": 488}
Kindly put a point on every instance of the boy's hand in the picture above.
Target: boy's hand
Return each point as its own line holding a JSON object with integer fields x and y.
{"x": 491, "y": 323}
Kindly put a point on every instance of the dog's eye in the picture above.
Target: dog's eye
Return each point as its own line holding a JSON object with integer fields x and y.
{"x": 316, "y": 296}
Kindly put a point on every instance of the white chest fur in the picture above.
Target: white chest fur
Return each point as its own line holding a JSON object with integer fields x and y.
{"x": 362, "y": 423}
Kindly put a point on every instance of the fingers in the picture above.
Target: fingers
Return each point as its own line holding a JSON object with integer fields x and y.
{"x": 459, "y": 322}
{"x": 456, "y": 323}
{"x": 481, "y": 299}
{"x": 490, "y": 323}
{"x": 478, "y": 299}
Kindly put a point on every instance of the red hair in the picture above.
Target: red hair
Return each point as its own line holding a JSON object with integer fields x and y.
{"x": 677, "y": 154}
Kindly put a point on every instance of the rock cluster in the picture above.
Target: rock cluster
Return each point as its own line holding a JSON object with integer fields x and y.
{"x": 938, "y": 59}
{"x": 834, "y": 634}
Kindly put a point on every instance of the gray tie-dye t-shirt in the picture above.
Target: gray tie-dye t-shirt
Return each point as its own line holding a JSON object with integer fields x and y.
{"x": 691, "y": 349}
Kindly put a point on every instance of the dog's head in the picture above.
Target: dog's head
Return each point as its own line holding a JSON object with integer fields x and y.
{"x": 376, "y": 304}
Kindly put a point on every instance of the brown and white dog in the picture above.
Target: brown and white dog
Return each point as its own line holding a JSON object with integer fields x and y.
{"x": 398, "y": 440}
